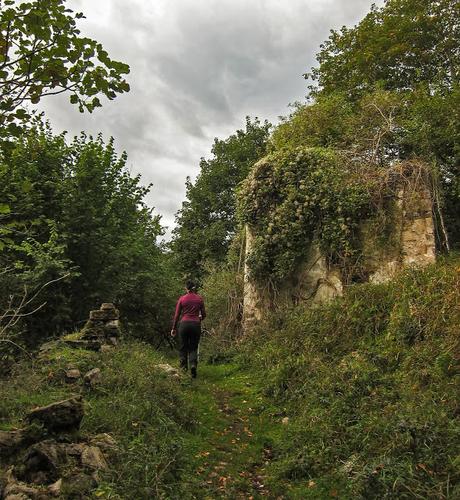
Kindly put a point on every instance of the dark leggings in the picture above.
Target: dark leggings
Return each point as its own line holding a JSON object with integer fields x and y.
{"x": 188, "y": 338}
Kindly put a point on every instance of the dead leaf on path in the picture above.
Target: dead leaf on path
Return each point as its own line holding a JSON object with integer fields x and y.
{"x": 202, "y": 454}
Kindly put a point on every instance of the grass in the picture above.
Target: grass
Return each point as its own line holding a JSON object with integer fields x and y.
{"x": 227, "y": 454}
{"x": 367, "y": 386}
{"x": 371, "y": 383}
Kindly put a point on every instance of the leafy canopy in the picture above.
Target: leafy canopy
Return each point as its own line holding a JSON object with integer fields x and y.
{"x": 42, "y": 53}
{"x": 404, "y": 44}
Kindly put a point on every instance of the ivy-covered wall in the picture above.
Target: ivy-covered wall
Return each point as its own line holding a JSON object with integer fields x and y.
{"x": 319, "y": 220}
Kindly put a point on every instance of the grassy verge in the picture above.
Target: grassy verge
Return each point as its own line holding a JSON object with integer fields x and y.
{"x": 371, "y": 383}
{"x": 142, "y": 408}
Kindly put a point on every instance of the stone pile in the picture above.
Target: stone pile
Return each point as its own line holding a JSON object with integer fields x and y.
{"x": 101, "y": 329}
{"x": 46, "y": 462}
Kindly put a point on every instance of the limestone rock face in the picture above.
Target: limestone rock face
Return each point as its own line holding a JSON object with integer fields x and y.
{"x": 63, "y": 415}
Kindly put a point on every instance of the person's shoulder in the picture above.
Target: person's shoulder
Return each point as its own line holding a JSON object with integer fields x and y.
{"x": 199, "y": 296}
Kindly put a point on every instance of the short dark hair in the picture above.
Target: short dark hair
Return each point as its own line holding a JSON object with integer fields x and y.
{"x": 190, "y": 285}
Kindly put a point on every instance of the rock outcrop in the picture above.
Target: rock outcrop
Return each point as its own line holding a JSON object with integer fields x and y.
{"x": 51, "y": 463}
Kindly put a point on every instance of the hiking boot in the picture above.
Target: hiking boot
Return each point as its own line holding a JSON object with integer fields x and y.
{"x": 193, "y": 371}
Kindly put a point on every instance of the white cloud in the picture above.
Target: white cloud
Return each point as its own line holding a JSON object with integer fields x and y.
{"x": 198, "y": 67}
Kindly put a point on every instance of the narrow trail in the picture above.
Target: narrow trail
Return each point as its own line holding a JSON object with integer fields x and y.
{"x": 232, "y": 446}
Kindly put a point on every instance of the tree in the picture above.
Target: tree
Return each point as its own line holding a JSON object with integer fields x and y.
{"x": 410, "y": 51}
{"x": 207, "y": 221}
{"x": 42, "y": 53}
{"x": 78, "y": 210}
{"x": 404, "y": 44}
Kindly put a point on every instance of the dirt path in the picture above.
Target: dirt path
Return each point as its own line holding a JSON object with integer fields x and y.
{"x": 232, "y": 447}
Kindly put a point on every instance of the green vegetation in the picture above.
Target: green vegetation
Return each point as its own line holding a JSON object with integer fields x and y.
{"x": 76, "y": 211}
{"x": 207, "y": 221}
{"x": 42, "y": 53}
{"x": 357, "y": 398}
{"x": 292, "y": 197}
{"x": 370, "y": 383}
{"x": 144, "y": 409}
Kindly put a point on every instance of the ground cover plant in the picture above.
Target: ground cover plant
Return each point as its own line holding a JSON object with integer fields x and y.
{"x": 372, "y": 383}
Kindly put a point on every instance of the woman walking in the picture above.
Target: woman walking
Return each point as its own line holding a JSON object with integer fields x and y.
{"x": 191, "y": 312}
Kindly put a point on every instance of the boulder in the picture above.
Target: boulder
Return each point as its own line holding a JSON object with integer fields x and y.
{"x": 93, "y": 377}
{"x": 64, "y": 415}
{"x": 13, "y": 441}
{"x": 42, "y": 462}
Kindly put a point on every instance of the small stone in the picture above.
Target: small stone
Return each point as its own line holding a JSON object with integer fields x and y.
{"x": 113, "y": 341}
{"x": 93, "y": 377}
{"x": 170, "y": 370}
{"x": 92, "y": 458}
{"x": 104, "y": 441}
{"x": 55, "y": 488}
{"x": 285, "y": 420}
{"x": 78, "y": 485}
{"x": 72, "y": 375}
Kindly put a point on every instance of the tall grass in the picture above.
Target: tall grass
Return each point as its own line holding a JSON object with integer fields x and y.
{"x": 371, "y": 383}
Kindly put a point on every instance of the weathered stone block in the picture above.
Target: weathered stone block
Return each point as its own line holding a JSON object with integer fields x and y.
{"x": 106, "y": 306}
{"x": 63, "y": 415}
{"x": 105, "y": 315}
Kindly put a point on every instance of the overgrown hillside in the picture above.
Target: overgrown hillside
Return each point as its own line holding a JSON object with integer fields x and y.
{"x": 356, "y": 399}
{"x": 371, "y": 384}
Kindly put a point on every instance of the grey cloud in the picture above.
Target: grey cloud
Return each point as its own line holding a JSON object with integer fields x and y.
{"x": 198, "y": 67}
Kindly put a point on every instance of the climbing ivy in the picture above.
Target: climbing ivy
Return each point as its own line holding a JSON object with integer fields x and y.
{"x": 294, "y": 196}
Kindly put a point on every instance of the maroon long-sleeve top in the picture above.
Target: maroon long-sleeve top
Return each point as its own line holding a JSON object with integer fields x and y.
{"x": 190, "y": 307}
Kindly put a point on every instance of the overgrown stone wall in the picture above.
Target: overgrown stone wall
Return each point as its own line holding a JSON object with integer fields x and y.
{"x": 409, "y": 240}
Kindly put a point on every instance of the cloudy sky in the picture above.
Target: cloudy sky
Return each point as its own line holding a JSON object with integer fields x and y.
{"x": 198, "y": 67}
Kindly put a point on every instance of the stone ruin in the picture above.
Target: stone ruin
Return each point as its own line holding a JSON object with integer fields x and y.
{"x": 317, "y": 281}
{"x": 101, "y": 329}
{"x": 48, "y": 459}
